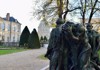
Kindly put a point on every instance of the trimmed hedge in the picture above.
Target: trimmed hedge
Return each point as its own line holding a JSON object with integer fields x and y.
{"x": 33, "y": 41}
{"x": 24, "y": 37}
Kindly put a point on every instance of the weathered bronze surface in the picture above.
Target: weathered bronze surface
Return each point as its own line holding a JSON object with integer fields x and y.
{"x": 72, "y": 47}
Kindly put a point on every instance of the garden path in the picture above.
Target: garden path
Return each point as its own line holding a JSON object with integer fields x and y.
{"x": 26, "y": 60}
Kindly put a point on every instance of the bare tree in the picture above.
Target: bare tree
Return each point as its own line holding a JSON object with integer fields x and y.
{"x": 93, "y": 9}
{"x": 88, "y": 9}
{"x": 53, "y": 9}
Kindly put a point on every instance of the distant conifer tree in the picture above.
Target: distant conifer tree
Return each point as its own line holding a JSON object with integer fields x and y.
{"x": 41, "y": 38}
{"x": 45, "y": 38}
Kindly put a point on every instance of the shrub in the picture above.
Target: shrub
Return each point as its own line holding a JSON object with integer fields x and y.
{"x": 24, "y": 36}
{"x": 33, "y": 41}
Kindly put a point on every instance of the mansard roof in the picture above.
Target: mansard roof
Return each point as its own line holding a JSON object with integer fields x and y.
{"x": 12, "y": 19}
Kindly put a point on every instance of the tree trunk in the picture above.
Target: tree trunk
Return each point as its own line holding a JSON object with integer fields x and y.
{"x": 92, "y": 11}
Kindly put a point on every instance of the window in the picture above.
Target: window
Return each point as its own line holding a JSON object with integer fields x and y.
{"x": 18, "y": 38}
{"x": 14, "y": 28}
{"x": 8, "y": 27}
{"x": 13, "y": 39}
{"x": 18, "y": 29}
{"x": 3, "y": 26}
{"x": 7, "y": 39}
{"x": 3, "y": 38}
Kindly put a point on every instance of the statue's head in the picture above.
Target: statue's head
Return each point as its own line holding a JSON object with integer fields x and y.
{"x": 89, "y": 26}
{"x": 59, "y": 21}
{"x": 79, "y": 30}
{"x": 68, "y": 26}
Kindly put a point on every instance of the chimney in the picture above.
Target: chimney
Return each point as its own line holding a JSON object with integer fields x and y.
{"x": 8, "y": 16}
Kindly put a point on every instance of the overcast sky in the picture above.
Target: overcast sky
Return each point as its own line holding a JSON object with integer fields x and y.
{"x": 20, "y": 10}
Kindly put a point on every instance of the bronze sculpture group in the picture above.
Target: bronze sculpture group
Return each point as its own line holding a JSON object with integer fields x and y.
{"x": 72, "y": 47}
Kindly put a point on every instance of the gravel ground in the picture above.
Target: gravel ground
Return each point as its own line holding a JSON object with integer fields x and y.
{"x": 26, "y": 60}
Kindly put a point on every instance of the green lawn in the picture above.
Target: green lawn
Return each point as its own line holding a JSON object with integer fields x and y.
{"x": 42, "y": 57}
{"x": 99, "y": 53}
{"x": 9, "y": 51}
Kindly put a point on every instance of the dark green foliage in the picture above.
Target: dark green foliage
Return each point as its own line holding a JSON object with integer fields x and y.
{"x": 33, "y": 41}
{"x": 41, "y": 38}
{"x": 30, "y": 40}
{"x": 41, "y": 41}
{"x": 45, "y": 38}
{"x": 24, "y": 37}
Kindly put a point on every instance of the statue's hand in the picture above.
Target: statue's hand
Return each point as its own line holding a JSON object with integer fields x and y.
{"x": 71, "y": 33}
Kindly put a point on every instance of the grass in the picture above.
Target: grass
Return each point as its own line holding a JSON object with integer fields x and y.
{"x": 99, "y": 53}
{"x": 9, "y": 51}
{"x": 42, "y": 57}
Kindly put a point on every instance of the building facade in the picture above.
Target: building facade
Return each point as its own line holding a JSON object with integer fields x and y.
{"x": 95, "y": 23}
{"x": 10, "y": 30}
{"x": 43, "y": 29}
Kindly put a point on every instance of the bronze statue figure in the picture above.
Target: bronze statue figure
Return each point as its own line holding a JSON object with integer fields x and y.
{"x": 71, "y": 47}
{"x": 51, "y": 54}
{"x": 94, "y": 41}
